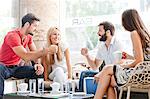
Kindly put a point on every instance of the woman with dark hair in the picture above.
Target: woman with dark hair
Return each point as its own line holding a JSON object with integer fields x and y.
{"x": 117, "y": 75}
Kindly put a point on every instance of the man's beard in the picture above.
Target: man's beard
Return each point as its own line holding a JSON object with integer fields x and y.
{"x": 103, "y": 38}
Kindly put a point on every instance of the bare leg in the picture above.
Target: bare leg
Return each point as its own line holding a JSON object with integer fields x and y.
{"x": 111, "y": 92}
{"x": 104, "y": 82}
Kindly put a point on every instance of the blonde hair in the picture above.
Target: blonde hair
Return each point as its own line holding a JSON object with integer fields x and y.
{"x": 50, "y": 57}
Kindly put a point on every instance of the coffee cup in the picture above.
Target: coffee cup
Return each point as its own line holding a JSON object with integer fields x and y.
{"x": 117, "y": 56}
{"x": 22, "y": 87}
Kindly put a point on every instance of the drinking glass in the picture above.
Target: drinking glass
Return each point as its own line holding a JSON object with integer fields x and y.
{"x": 32, "y": 85}
{"x": 40, "y": 85}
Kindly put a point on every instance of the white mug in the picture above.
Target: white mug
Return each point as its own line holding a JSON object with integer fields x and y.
{"x": 117, "y": 56}
{"x": 22, "y": 87}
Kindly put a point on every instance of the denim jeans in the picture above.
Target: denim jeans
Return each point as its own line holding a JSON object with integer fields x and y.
{"x": 84, "y": 74}
{"x": 17, "y": 72}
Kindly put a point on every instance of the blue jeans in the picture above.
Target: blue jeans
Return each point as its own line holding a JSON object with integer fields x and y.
{"x": 17, "y": 72}
{"x": 84, "y": 74}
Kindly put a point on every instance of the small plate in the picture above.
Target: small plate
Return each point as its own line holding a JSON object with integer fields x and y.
{"x": 79, "y": 94}
{"x": 55, "y": 92}
{"x": 55, "y": 95}
{"x": 23, "y": 92}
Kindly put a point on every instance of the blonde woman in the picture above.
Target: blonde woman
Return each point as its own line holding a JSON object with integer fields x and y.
{"x": 57, "y": 66}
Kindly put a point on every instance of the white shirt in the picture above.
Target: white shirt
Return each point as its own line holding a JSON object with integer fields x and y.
{"x": 63, "y": 62}
{"x": 105, "y": 53}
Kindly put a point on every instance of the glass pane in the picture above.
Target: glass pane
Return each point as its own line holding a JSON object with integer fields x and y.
{"x": 9, "y": 16}
{"x": 81, "y": 21}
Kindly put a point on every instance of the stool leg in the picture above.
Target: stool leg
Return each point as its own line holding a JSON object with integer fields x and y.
{"x": 128, "y": 92}
{"x": 120, "y": 94}
{"x": 148, "y": 93}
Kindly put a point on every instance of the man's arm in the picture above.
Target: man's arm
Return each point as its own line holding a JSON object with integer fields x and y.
{"x": 32, "y": 47}
{"x": 94, "y": 63}
{"x": 28, "y": 55}
{"x": 33, "y": 55}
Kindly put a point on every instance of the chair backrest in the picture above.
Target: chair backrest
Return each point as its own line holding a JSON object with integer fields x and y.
{"x": 141, "y": 76}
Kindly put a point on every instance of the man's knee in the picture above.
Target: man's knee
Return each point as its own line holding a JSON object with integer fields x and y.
{"x": 83, "y": 73}
{"x": 2, "y": 68}
{"x": 88, "y": 73}
{"x": 4, "y": 73}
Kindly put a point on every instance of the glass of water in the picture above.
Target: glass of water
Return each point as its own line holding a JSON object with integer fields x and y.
{"x": 40, "y": 85}
{"x": 32, "y": 85}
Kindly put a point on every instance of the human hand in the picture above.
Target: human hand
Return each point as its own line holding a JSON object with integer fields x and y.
{"x": 39, "y": 69}
{"x": 124, "y": 65}
{"x": 96, "y": 78}
{"x": 69, "y": 77}
{"x": 53, "y": 49}
{"x": 84, "y": 51}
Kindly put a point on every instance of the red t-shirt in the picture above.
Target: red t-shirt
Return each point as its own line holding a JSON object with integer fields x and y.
{"x": 13, "y": 39}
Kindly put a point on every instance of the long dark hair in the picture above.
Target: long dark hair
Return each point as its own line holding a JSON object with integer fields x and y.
{"x": 132, "y": 21}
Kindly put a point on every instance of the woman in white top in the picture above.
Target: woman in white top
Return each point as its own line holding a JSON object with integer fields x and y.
{"x": 57, "y": 66}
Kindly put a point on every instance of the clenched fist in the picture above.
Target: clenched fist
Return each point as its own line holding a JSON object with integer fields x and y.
{"x": 84, "y": 51}
{"x": 53, "y": 49}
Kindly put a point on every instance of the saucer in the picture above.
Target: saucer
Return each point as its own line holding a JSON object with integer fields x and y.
{"x": 23, "y": 92}
{"x": 55, "y": 92}
{"x": 79, "y": 93}
{"x": 55, "y": 95}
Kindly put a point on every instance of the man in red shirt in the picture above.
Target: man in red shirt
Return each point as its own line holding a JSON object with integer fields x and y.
{"x": 13, "y": 50}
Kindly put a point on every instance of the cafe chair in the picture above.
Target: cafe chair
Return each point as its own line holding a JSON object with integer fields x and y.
{"x": 139, "y": 81}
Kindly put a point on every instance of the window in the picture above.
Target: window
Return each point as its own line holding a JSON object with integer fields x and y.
{"x": 80, "y": 26}
{"x": 9, "y": 16}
